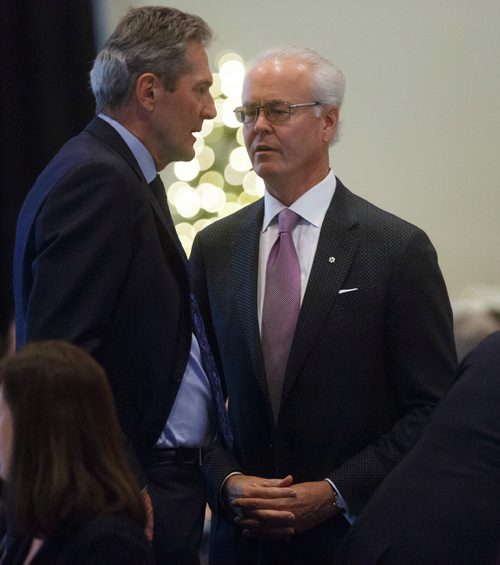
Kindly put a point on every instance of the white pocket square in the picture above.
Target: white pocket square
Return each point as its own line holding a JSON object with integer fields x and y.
{"x": 347, "y": 290}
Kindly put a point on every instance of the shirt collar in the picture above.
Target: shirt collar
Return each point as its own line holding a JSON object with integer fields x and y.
{"x": 311, "y": 206}
{"x": 141, "y": 154}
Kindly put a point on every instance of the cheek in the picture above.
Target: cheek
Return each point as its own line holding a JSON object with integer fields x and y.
{"x": 248, "y": 136}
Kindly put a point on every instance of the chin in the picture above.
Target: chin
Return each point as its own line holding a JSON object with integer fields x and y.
{"x": 187, "y": 154}
{"x": 264, "y": 170}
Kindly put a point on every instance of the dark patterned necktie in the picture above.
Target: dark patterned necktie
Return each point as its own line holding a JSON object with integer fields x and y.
{"x": 207, "y": 358}
{"x": 212, "y": 374}
{"x": 281, "y": 306}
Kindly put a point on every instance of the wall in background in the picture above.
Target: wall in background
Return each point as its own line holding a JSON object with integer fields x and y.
{"x": 421, "y": 119}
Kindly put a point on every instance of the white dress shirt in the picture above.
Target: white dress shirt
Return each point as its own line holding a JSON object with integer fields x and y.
{"x": 311, "y": 207}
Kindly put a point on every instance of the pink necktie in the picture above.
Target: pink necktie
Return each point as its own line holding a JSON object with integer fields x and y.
{"x": 281, "y": 306}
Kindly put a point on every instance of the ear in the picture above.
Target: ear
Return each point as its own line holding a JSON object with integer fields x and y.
{"x": 331, "y": 121}
{"x": 147, "y": 90}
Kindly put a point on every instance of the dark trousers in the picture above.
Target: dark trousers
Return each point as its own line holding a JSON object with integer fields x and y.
{"x": 178, "y": 495}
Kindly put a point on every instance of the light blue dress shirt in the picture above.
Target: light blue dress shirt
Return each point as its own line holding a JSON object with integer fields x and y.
{"x": 192, "y": 420}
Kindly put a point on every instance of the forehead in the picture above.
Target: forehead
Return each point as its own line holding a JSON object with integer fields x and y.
{"x": 197, "y": 59}
{"x": 278, "y": 79}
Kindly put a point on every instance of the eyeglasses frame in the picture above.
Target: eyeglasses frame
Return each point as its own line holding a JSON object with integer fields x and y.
{"x": 264, "y": 106}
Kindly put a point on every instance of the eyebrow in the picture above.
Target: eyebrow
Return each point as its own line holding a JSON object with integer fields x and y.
{"x": 273, "y": 101}
{"x": 204, "y": 82}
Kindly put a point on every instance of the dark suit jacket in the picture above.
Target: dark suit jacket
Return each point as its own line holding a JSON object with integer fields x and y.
{"x": 109, "y": 539}
{"x": 365, "y": 369}
{"x": 90, "y": 268}
{"x": 441, "y": 504}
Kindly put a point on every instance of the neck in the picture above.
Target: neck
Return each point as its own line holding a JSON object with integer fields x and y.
{"x": 287, "y": 192}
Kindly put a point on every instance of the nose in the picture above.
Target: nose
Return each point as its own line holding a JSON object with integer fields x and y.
{"x": 261, "y": 123}
{"x": 209, "y": 110}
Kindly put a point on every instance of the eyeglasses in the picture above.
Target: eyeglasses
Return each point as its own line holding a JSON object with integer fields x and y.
{"x": 275, "y": 112}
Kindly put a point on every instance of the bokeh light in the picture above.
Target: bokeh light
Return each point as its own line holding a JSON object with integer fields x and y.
{"x": 239, "y": 136}
{"x": 233, "y": 177}
{"x": 206, "y": 158}
{"x": 187, "y": 170}
{"x": 253, "y": 184}
{"x": 212, "y": 198}
{"x": 228, "y": 115}
{"x": 187, "y": 202}
{"x": 232, "y": 73}
{"x": 219, "y": 180}
{"x": 239, "y": 160}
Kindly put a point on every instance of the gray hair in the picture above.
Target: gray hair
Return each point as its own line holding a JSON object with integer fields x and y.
{"x": 327, "y": 80}
{"x": 150, "y": 39}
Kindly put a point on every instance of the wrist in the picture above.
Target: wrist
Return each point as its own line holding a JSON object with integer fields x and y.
{"x": 332, "y": 501}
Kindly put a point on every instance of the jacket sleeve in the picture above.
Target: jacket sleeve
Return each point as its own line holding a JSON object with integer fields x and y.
{"x": 76, "y": 258}
{"x": 421, "y": 358}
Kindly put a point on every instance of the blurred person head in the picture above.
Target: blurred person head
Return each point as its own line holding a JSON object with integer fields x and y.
{"x": 61, "y": 448}
{"x": 291, "y": 102}
{"x": 152, "y": 76}
{"x": 476, "y": 314}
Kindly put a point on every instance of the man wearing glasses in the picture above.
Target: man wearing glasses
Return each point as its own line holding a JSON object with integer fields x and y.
{"x": 331, "y": 323}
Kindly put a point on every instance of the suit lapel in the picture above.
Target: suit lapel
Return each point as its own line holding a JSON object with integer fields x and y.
{"x": 107, "y": 133}
{"x": 168, "y": 236}
{"x": 244, "y": 270}
{"x": 337, "y": 246}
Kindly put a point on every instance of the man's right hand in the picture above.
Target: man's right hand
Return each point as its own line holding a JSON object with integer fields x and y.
{"x": 271, "y": 523}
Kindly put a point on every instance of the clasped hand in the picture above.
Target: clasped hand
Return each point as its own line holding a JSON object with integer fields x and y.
{"x": 277, "y": 508}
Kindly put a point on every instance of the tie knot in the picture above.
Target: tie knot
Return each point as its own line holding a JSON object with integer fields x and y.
{"x": 157, "y": 187}
{"x": 287, "y": 220}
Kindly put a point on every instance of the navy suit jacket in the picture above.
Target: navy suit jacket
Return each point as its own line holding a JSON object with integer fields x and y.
{"x": 365, "y": 370}
{"x": 441, "y": 504}
{"x": 94, "y": 264}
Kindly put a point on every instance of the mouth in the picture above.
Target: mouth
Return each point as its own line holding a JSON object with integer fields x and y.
{"x": 262, "y": 148}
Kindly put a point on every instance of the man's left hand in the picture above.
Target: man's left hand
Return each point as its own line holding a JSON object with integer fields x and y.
{"x": 314, "y": 503}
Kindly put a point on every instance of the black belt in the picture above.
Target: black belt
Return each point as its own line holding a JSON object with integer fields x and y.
{"x": 172, "y": 456}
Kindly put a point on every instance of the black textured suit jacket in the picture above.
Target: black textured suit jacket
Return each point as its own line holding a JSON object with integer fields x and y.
{"x": 92, "y": 267}
{"x": 373, "y": 350}
{"x": 441, "y": 504}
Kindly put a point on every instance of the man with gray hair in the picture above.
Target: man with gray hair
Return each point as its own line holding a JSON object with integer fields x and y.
{"x": 331, "y": 325}
{"x": 98, "y": 262}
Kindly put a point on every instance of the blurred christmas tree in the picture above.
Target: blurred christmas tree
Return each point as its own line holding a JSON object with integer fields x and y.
{"x": 219, "y": 180}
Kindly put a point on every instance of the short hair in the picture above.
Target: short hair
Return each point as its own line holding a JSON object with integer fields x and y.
{"x": 68, "y": 457}
{"x": 327, "y": 80}
{"x": 149, "y": 39}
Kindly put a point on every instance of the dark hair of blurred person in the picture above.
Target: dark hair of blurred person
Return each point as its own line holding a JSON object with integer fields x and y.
{"x": 62, "y": 455}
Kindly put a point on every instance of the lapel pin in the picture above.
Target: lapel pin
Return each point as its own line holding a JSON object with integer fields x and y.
{"x": 331, "y": 259}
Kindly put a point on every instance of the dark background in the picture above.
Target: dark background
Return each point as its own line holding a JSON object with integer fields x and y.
{"x": 47, "y": 49}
